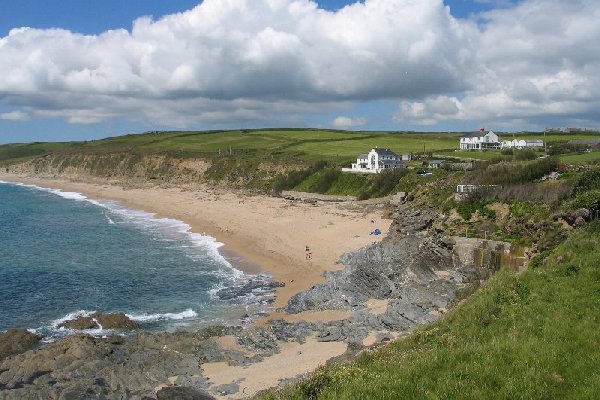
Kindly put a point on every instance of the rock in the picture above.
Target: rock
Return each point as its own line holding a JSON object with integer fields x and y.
{"x": 79, "y": 323}
{"x": 398, "y": 199}
{"x": 16, "y": 341}
{"x": 230, "y": 388}
{"x": 253, "y": 286}
{"x": 116, "y": 321}
{"x": 182, "y": 393}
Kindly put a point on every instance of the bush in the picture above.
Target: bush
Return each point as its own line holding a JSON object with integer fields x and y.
{"x": 589, "y": 200}
{"x": 525, "y": 154}
{"x": 551, "y": 193}
{"x": 505, "y": 173}
{"x": 589, "y": 180}
{"x": 384, "y": 183}
{"x": 294, "y": 178}
{"x": 466, "y": 209}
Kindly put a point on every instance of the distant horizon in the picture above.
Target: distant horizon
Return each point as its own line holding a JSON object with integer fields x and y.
{"x": 583, "y": 131}
{"x": 81, "y": 70}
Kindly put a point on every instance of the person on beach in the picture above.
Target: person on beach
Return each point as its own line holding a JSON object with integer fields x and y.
{"x": 308, "y": 253}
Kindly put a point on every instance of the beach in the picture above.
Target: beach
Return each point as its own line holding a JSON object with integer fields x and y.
{"x": 260, "y": 234}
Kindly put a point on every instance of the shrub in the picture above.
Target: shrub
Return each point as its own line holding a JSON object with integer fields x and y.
{"x": 384, "y": 183}
{"x": 505, "y": 173}
{"x": 525, "y": 154}
{"x": 294, "y": 178}
{"x": 589, "y": 200}
{"x": 589, "y": 180}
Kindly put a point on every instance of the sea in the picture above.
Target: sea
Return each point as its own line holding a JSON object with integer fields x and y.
{"x": 63, "y": 255}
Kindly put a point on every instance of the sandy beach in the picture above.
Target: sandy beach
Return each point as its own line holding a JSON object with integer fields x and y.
{"x": 261, "y": 234}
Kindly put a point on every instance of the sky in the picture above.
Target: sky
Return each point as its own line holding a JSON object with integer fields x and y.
{"x": 84, "y": 69}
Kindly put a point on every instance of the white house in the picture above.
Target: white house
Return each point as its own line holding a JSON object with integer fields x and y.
{"x": 480, "y": 140}
{"x": 521, "y": 144}
{"x": 376, "y": 161}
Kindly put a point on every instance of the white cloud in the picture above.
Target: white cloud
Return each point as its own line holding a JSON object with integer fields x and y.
{"x": 271, "y": 61}
{"x": 348, "y": 122}
{"x": 14, "y": 116}
{"x": 267, "y": 54}
{"x": 535, "y": 63}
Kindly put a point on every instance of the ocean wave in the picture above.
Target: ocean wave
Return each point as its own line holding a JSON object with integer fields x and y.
{"x": 187, "y": 314}
{"x": 147, "y": 219}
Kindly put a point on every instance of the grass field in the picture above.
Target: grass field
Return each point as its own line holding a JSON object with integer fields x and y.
{"x": 533, "y": 336}
{"x": 308, "y": 145}
{"x": 580, "y": 158}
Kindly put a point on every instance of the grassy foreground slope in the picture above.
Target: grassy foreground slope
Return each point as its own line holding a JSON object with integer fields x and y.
{"x": 533, "y": 336}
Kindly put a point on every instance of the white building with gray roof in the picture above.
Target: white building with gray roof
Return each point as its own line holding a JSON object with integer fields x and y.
{"x": 377, "y": 160}
{"x": 479, "y": 140}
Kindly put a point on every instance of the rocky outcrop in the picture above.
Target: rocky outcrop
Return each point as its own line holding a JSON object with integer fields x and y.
{"x": 417, "y": 273}
{"x": 314, "y": 197}
{"x": 15, "y": 341}
{"x": 118, "y": 321}
{"x": 182, "y": 393}
{"x": 254, "y": 286}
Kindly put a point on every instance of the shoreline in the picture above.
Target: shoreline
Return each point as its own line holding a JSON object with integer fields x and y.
{"x": 260, "y": 234}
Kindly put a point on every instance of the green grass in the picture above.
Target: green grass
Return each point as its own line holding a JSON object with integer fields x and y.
{"x": 297, "y": 145}
{"x": 294, "y": 145}
{"x": 473, "y": 155}
{"x": 533, "y": 336}
{"x": 580, "y": 158}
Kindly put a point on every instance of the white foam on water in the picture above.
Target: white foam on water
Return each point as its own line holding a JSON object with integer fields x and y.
{"x": 70, "y": 316}
{"x": 187, "y": 314}
{"x": 208, "y": 243}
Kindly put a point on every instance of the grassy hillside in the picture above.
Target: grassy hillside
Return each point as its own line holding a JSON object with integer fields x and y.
{"x": 533, "y": 336}
{"x": 266, "y": 160}
{"x": 294, "y": 144}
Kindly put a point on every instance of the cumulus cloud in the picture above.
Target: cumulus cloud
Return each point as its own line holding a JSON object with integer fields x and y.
{"x": 261, "y": 61}
{"x": 223, "y": 59}
{"x": 534, "y": 62}
{"x": 348, "y": 122}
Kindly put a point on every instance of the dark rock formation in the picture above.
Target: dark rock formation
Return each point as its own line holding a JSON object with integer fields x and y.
{"x": 16, "y": 341}
{"x": 258, "y": 286}
{"x": 182, "y": 393}
{"x": 118, "y": 321}
{"x": 79, "y": 323}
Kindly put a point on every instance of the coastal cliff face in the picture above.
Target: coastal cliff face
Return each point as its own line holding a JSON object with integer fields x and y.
{"x": 117, "y": 166}
{"x": 134, "y": 169}
{"x": 414, "y": 276}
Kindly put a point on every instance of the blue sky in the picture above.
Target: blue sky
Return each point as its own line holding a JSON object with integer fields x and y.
{"x": 408, "y": 67}
{"x": 93, "y": 17}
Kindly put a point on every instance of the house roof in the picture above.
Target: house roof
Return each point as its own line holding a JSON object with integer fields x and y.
{"x": 478, "y": 133}
{"x": 384, "y": 152}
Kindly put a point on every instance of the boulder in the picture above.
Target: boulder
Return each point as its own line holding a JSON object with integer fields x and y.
{"x": 118, "y": 321}
{"x": 79, "y": 323}
{"x": 16, "y": 341}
